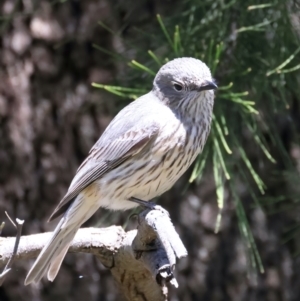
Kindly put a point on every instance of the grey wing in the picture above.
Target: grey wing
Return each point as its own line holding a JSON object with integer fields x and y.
{"x": 105, "y": 156}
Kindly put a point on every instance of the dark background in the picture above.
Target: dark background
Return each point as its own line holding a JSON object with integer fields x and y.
{"x": 50, "y": 116}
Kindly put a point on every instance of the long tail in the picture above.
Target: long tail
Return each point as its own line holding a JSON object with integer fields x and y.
{"x": 52, "y": 255}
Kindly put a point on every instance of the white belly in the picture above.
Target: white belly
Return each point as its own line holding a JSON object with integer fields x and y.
{"x": 146, "y": 178}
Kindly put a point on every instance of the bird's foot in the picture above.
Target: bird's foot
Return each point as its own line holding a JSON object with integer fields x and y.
{"x": 146, "y": 204}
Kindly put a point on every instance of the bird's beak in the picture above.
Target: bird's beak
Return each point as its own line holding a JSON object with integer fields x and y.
{"x": 207, "y": 85}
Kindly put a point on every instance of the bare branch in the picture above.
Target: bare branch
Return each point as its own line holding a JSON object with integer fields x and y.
{"x": 1, "y": 227}
{"x": 10, "y": 219}
{"x": 11, "y": 260}
{"x": 142, "y": 261}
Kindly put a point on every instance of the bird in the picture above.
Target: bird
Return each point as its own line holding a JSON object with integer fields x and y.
{"x": 141, "y": 154}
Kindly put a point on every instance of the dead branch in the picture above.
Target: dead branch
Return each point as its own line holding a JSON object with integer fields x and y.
{"x": 12, "y": 258}
{"x": 142, "y": 261}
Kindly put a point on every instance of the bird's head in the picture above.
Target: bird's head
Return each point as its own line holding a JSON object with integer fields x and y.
{"x": 184, "y": 82}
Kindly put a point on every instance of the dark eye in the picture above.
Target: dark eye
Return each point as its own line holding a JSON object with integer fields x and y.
{"x": 177, "y": 87}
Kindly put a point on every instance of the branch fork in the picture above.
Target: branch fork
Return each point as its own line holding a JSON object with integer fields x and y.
{"x": 142, "y": 261}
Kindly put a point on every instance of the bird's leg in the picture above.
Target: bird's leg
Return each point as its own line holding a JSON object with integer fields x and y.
{"x": 147, "y": 204}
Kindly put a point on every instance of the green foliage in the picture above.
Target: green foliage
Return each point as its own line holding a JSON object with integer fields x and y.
{"x": 252, "y": 50}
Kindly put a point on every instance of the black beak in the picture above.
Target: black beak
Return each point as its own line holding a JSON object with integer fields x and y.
{"x": 207, "y": 85}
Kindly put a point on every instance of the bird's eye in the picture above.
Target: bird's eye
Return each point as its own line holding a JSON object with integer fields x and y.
{"x": 178, "y": 87}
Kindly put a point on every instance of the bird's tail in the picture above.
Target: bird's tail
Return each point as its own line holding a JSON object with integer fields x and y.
{"x": 53, "y": 253}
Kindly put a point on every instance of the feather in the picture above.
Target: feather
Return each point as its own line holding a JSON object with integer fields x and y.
{"x": 103, "y": 158}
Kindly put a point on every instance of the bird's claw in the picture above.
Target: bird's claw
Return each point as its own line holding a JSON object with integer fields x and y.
{"x": 146, "y": 204}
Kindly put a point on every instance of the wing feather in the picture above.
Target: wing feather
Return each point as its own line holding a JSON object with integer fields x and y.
{"x": 103, "y": 157}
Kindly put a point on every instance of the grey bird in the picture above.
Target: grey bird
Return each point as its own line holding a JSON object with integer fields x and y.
{"x": 141, "y": 154}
